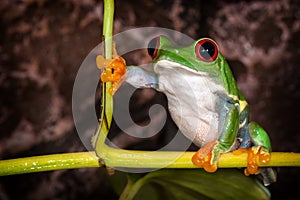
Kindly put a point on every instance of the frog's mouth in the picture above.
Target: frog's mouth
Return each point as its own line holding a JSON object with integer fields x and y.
{"x": 167, "y": 66}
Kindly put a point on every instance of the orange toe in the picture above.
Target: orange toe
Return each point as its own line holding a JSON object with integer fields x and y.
{"x": 252, "y": 166}
{"x": 256, "y": 153}
{"x": 203, "y": 157}
{"x": 210, "y": 167}
{"x": 264, "y": 155}
{"x": 115, "y": 70}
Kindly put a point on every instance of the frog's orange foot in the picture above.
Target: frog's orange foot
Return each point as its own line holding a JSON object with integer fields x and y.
{"x": 204, "y": 157}
{"x": 256, "y": 153}
{"x": 115, "y": 70}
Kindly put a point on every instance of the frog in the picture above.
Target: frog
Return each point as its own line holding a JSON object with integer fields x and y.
{"x": 204, "y": 102}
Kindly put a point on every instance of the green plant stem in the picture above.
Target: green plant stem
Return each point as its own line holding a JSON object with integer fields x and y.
{"x": 107, "y": 99}
{"x": 108, "y": 22}
{"x": 49, "y": 163}
{"x": 171, "y": 159}
{"x": 133, "y": 159}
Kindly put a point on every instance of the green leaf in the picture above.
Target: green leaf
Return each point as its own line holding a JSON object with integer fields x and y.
{"x": 118, "y": 181}
{"x": 195, "y": 184}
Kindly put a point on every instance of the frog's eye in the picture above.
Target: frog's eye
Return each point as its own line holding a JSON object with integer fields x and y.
{"x": 153, "y": 47}
{"x": 206, "y": 50}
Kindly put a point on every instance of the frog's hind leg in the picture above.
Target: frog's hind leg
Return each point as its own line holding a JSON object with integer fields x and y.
{"x": 261, "y": 149}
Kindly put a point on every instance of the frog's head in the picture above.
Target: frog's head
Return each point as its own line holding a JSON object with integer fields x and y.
{"x": 202, "y": 57}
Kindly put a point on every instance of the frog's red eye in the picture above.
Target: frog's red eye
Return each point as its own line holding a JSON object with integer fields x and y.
{"x": 206, "y": 50}
{"x": 153, "y": 47}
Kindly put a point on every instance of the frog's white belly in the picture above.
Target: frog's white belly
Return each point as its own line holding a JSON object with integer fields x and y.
{"x": 192, "y": 98}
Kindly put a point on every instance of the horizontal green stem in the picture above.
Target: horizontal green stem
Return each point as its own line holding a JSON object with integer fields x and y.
{"x": 132, "y": 159}
{"x": 49, "y": 163}
{"x": 172, "y": 159}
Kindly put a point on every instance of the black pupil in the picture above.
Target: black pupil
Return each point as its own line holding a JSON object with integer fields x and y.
{"x": 152, "y": 47}
{"x": 207, "y": 50}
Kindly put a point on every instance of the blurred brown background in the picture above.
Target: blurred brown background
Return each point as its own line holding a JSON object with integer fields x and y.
{"x": 42, "y": 44}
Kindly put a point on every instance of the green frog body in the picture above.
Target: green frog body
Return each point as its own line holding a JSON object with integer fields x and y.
{"x": 204, "y": 102}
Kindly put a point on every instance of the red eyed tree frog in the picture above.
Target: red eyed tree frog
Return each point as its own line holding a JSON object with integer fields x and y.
{"x": 204, "y": 102}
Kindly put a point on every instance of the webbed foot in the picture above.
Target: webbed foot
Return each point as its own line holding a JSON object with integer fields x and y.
{"x": 206, "y": 157}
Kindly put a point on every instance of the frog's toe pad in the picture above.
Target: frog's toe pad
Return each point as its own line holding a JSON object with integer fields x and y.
{"x": 204, "y": 157}
{"x": 254, "y": 153}
{"x": 102, "y": 62}
{"x": 264, "y": 155}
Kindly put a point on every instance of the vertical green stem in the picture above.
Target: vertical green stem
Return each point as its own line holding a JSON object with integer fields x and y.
{"x": 108, "y": 22}
{"x": 107, "y": 99}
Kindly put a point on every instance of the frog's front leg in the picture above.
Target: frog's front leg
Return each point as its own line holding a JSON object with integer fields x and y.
{"x": 208, "y": 156}
{"x": 141, "y": 78}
